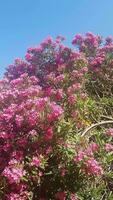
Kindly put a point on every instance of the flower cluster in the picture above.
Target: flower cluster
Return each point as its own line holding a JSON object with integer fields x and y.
{"x": 27, "y": 121}
{"x": 46, "y": 101}
{"x": 99, "y": 53}
{"x": 87, "y": 160}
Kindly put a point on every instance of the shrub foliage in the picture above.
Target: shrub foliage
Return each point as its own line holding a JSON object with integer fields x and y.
{"x": 47, "y": 101}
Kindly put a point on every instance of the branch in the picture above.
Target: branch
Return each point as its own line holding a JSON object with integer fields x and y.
{"x": 95, "y": 125}
{"x": 106, "y": 117}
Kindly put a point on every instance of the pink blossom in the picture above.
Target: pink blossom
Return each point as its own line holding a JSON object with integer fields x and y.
{"x": 76, "y": 86}
{"x": 72, "y": 99}
{"x": 41, "y": 103}
{"x": 33, "y": 118}
{"x": 63, "y": 172}
{"x": 109, "y": 40}
{"x": 49, "y": 91}
{"x": 93, "y": 167}
{"x": 35, "y": 162}
{"x": 59, "y": 78}
{"x": 34, "y": 79}
{"x": 33, "y": 133}
{"x": 22, "y": 142}
{"x": 49, "y": 150}
{"x": 47, "y": 41}
{"x": 109, "y": 132}
{"x": 49, "y": 133}
{"x": 80, "y": 156}
{"x": 56, "y": 111}
{"x": 19, "y": 120}
{"x": 28, "y": 57}
{"x": 61, "y": 68}
{"x": 13, "y": 175}
{"x": 92, "y": 148}
{"x": 15, "y": 196}
{"x": 84, "y": 70}
{"x": 78, "y": 39}
{"x": 18, "y": 155}
{"x": 4, "y": 135}
{"x": 108, "y": 147}
{"x": 73, "y": 197}
{"x": 59, "y": 94}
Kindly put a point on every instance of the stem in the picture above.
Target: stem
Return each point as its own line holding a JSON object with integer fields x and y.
{"x": 106, "y": 117}
{"x": 95, "y": 125}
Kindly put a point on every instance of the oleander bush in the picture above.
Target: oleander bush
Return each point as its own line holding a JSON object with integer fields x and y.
{"x": 47, "y": 101}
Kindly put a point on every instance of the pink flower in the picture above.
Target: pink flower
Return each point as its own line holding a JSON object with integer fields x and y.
{"x": 72, "y": 99}
{"x": 63, "y": 172}
{"x": 108, "y": 147}
{"x": 75, "y": 114}
{"x": 83, "y": 96}
{"x": 7, "y": 147}
{"x": 34, "y": 79}
{"x": 76, "y": 74}
{"x": 41, "y": 103}
{"x": 22, "y": 142}
{"x": 59, "y": 78}
{"x": 50, "y": 77}
{"x": 61, "y": 68}
{"x": 93, "y": 167}
{"x": 3, "y": 135}
{"x": 76, "y": 87}
{"x": 93, "y": 147}
{"x": 33, "y": 118}
{"x": 33, "y": 133}
{"x": 109, "y": 132}
{"x": 80, "y": 156}
{"x": 18, "y": 155}
{"x": 92, "y": 40}
{"x": 59, "y": 94}
{"x": 49, "y": 91}
{"x": 73, "y": 197}
{"x": 35, "y": 162}
{"x": 59, "y": 38}
{"x": 49, "y": 150}
{"x": 84, "y": 70}
{"x": 109, "y": 40}
{"x": 47, "y": 41}
{"x": 78, "y": 39}
{"x": 56, "y": 111}
{"x": 49, "y": 134}
{"x": 13, "y": 174}
{"x": 28, "y": 57}
{"x": 16, "y": 82}
{"x": 19, "y": 120}
{"x": 15, "y": 196}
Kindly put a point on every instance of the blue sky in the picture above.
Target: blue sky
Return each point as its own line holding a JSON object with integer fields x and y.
{"x": 25, "y": 23}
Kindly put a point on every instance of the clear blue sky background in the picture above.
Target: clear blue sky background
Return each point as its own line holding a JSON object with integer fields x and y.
{"x": 25, "y": 23}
